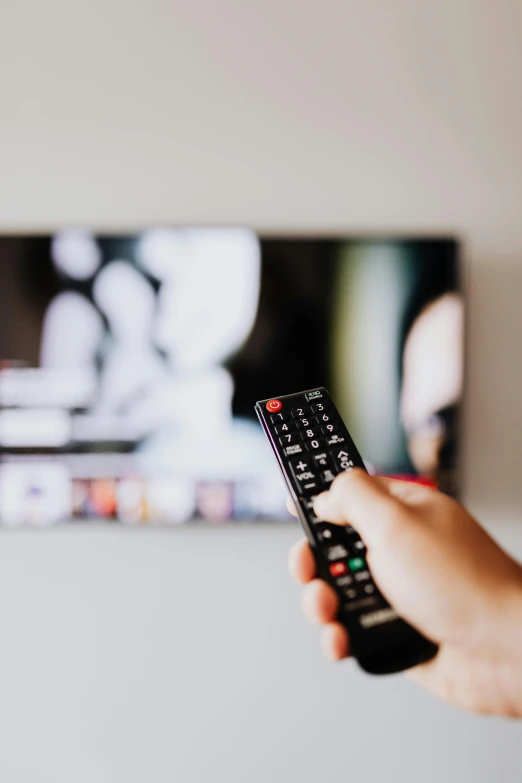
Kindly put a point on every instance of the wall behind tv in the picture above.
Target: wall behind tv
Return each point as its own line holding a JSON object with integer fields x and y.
{"x": 128, "y": 656}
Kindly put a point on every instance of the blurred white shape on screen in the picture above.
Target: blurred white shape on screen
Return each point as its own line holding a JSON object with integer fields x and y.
{"x": 207, "y": 304}
{"x": 206, "y": 312}
{"x": 162, "y": 252}
{"x": 96, "y": 427}
{"x": 42, "y": 387}
{"x": 192, "y": 403}
{"x": 205, "y": 309}
{"x": 33, "y": 428}
{"x": 131, "y": 366}
{"x": 238, "y": 454}
{"x": 72, "y": 333}
{"x": 76, "y": 253}
{"x": 34, "y": 494}
{"x": 433, "y": 364}
{"x": 170, "y": 500}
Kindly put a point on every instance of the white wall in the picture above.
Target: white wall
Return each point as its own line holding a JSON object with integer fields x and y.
{"x": 180, "y": 656}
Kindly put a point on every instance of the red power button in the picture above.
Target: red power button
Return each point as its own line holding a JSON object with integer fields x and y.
{"x": 274, "y": 405}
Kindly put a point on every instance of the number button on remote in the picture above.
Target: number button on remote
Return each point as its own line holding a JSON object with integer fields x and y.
{"x": 319, "y": 407}
{"x": 325, "y": 418}
{"x": 276, "y": 418}
{"x": 329, "y": 429}
{"x": 287, "y": 426}
{"x": 314, "y": 445}
{"x": 299, "y": 413}
{"x": 305, "y": 423}
{"x": 289, "y": 438}
{"x": 311, "y": 432}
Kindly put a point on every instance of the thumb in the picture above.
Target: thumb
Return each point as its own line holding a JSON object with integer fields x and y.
{"x": 358, "y": 499}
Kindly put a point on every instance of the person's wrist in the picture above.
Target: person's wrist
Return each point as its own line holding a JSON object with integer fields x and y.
{"x": 507, "y": 641}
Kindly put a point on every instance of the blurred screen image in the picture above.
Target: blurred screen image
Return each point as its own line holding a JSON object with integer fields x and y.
{"x": 130, "y": 365}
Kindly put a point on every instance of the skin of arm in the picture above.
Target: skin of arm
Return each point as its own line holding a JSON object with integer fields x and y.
{"x": 443, "y": 573}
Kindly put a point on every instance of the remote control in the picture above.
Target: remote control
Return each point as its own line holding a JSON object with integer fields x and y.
{"x": 312, "y": 446}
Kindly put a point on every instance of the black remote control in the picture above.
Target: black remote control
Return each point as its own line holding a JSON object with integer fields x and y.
{"x": 312, "y": 446}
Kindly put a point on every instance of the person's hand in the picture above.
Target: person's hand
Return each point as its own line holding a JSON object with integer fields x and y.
{"x": 442, "y": 573}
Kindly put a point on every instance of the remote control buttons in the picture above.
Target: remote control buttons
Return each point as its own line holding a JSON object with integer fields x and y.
{"x": 315, "y": 394}
{"x": 329, "y": 429}
{"x": 330, "y": 534}
{"x": 308, "y": 506}
{"x": 338, "y": 569}
{"x": 326, "y": 476}
{"x": 286, "y": 426}
{"x": 356, "y": 564}
{"x": 305, "y": 423}
{"x": 319, "y": 407}
{"x": 299, "y": 413}
{"x": 324, "y": 466}
{"x": 279, "y": 417}
{"x": 289, "y": 438}
{"x": 342, "y": 459}
{"x": 314, "y": 445}
{"x": 321, "y": 460}
{"x": 273, "y": 406}
{"x": 293, "y": 450}
{"x": 305, "y": 476}
{"x": 335, "y": 440}
{"x": 325, "y": 418}
{"x": 336, "y": 552}
{"x": 311, "y": 432}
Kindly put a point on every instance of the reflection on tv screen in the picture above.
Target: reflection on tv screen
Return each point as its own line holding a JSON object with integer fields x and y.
{"x": 130, "y": 365}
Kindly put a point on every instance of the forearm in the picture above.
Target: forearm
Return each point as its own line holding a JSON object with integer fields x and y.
{"x": 509, "y": 638}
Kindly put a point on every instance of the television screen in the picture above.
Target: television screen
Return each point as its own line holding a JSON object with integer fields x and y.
{"x": 130, "y": 366}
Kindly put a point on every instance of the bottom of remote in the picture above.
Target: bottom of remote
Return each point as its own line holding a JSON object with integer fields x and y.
{"x": 410, "y": 649}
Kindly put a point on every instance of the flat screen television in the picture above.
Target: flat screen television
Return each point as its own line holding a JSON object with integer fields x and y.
{"x": 130, "y": 366}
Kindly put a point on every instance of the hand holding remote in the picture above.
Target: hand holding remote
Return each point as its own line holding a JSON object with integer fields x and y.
{"x": 443, "y": 574}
